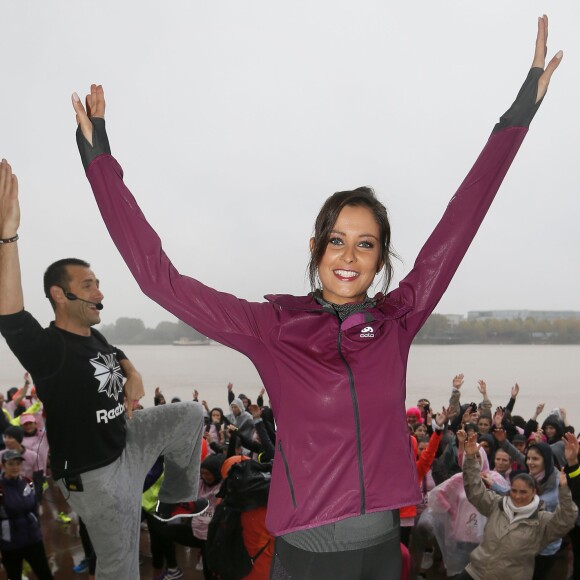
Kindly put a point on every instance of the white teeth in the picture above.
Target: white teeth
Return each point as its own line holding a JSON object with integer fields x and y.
{"x": 346, "y": 273}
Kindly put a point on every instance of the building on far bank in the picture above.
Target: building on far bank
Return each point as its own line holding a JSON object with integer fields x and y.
{"x": 473, "y": 315}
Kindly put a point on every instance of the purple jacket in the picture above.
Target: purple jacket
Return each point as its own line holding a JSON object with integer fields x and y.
{"x": 346, "y": 381}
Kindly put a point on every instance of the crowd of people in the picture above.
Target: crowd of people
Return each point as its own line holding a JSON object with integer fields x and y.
{"x": 498, "y": 490}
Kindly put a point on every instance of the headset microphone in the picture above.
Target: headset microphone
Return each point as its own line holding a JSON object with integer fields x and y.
{"x": 72, "y": 296}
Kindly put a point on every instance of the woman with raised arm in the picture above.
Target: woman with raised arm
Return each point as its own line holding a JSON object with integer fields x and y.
{"x": 333, "y": 499}
{"x": 517, "y": 527}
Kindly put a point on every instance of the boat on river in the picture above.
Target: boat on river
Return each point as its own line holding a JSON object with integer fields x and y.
{"x": 191, "y": 342}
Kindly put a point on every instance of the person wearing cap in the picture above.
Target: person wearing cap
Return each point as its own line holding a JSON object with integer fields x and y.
{"x": 13, "y": 437}
{"x": 99, "y": 460}
{"x": 20, "y": 535}
{"x": 36, "y": 440}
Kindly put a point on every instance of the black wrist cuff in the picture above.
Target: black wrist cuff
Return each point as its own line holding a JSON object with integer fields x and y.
{"x": 521, "y": 113}
{"x": 100, "y": 144}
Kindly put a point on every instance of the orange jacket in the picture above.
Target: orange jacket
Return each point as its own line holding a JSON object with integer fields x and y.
{"x": 423, "y": 466}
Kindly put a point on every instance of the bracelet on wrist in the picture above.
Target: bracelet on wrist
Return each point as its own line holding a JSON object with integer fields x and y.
{"x": 9, "y": 240}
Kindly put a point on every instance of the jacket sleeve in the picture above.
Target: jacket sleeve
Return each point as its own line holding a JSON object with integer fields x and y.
{"x": 513, "y": 452}
{"x": 476, "y": 492}
{"x": 424, "y": 462}
{"x": 441, "y": 255}
{"x": 220, "y": 316}
{"x": 573, "y": 476}
{"x": 265, "y": 440}
{"x": 562, "y": 519}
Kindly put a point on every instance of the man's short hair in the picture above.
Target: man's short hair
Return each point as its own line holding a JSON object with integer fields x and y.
{"x": 57, "y": 275}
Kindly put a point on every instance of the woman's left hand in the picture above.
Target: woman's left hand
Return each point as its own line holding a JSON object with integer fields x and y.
{"x": 540, "y": 57}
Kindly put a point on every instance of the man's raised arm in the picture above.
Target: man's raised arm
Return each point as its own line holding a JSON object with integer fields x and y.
{"x": 11, "y": 299}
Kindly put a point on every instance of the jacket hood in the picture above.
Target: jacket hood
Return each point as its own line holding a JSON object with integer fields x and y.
{"x": 558, "y": 424}
{"x": 213, "y": 463}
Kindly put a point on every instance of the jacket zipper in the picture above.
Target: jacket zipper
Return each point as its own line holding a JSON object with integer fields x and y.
{"x": 357, "y": 425}
{"x": 287, "y": 474}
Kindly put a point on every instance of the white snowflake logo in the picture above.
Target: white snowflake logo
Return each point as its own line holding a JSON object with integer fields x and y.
{"x": 108, "y": 373}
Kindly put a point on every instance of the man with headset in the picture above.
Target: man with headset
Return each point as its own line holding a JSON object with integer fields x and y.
{"x": 98, "y": 457}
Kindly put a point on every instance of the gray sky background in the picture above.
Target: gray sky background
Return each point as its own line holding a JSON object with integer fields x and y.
{"x": 234, "y": 120}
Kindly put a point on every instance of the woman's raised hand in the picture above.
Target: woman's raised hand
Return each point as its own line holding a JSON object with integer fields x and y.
{"x": 471, "y": 445}
{"x": 95, "y": 103}
{"x": 571, "y": 446}
{"x": 540, "y": 57}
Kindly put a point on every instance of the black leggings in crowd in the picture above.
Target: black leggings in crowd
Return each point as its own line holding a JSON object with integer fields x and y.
{"x": 162, "y": 550}
{"x": 183, "y": 534}
{"x": 34, "y": 555}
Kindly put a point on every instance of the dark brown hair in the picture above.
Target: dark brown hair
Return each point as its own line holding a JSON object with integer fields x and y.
{"x": 527, "y": 479}
{"x": 327, "y": 216}
{"x": 57, "y": 274}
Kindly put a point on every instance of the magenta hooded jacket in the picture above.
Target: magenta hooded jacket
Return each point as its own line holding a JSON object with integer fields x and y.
{"x": 346, "y": 381}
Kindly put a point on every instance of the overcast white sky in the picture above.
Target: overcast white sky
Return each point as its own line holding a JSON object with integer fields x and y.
{"x": 234, "y": 120}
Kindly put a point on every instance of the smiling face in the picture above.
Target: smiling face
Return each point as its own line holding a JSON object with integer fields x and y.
{"x": 76, "y": 315}
{"x": 534, "y": 461}
{"x": 521, "y": 493}
{"x": 84, "y": 284}
{"x": 352, "y": 257}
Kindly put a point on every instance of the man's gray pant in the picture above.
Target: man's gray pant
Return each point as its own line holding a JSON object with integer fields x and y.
{"x": 110, "y": 503}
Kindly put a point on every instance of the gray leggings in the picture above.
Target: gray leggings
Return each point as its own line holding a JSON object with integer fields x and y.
{"x": 380, "y": 562}
{"x": 110, "y": 503}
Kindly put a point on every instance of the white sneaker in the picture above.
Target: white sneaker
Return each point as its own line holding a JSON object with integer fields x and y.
{"x": 199, "y": 565}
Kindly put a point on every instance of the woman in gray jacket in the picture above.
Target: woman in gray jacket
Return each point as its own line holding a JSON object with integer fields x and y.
{"x": 517, "y": 527}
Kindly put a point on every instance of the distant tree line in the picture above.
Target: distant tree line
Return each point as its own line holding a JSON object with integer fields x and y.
{"x": 134, "y": 331}
{"x": 438, "y": 330}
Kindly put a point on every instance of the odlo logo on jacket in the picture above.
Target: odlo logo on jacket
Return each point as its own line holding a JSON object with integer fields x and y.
{"x": 367, "y": 332}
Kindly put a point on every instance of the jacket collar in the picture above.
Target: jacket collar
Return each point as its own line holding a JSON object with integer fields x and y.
{"x": 386, "y": 308}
